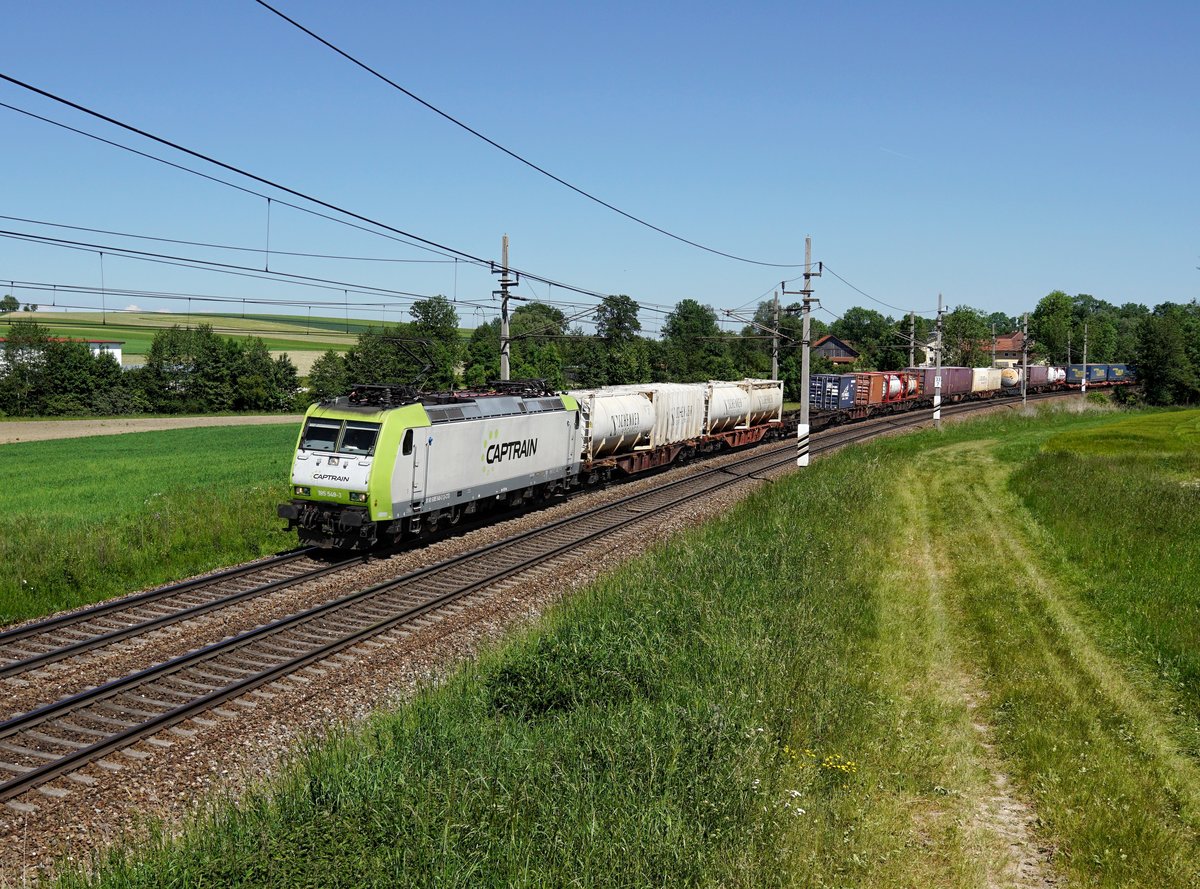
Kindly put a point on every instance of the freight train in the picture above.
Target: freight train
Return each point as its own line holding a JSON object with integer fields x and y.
{"x": 837, "y": 398}
{"x": 384, "y": 463}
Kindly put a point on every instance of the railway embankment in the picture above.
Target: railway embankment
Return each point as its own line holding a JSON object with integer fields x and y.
{"x": 938, "y": 659}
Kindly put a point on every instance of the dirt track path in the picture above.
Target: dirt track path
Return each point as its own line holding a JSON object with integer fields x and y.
{"x": 44, "y": 430}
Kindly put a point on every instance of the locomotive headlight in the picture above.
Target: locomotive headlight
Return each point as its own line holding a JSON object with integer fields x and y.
{"x": 303, "y": 490}
{"x": 356, "y": 497}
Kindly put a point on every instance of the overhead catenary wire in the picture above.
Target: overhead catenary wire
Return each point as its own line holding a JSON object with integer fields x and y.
{"x": 591, "y": 197}
{"x": 445, "y": 249}
{"x": 826, "y": 267}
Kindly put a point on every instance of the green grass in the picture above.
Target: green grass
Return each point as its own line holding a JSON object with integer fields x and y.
{"x": 88, "y": 518}
{"x": 822, "y": 689}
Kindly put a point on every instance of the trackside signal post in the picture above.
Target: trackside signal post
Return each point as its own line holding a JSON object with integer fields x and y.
{"x": 803, "y": 427}
{"x": 937, "y": 374}
{"x": 1025, "y": 360}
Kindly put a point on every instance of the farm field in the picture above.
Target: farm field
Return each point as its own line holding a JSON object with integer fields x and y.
{"x": 304, "y": 339}
{"x": 943, "y": 659}
{"x": 84, "y": 519}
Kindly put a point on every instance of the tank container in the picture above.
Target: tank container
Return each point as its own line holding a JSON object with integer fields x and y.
{"x": 728, "y": 407}
{"x": 617, "y": 422}
{"x": 766, "y": 401}
{"x": 1010, "y": 377}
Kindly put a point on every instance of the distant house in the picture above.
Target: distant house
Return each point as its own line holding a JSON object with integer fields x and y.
{"x": 97, "y": 347}
{"x": 1008, "y": 345}
{"x": 834, "y": 349}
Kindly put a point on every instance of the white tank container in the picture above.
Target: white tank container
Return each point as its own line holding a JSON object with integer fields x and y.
{"x": 892, "y": 387}
{"x": 1010, "y": 377}
{"x": 766, "y": 401}
{"x": 616, "y": 421}
{"x": 985, "y": 379}
{"x": 729, "y": 406}
{"x": 1056, "y": 375}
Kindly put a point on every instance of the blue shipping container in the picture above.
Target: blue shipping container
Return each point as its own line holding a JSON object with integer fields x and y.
{"x": 831, "y": 392}
{"x": 1097, "y": 373}
{"x": 1118, "y": 373}
{"x": 1074, "y": 373}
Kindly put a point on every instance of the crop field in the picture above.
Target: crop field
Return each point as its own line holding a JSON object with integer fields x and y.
{"x": 88, "y": 518}
{"x": 950, "y": 659}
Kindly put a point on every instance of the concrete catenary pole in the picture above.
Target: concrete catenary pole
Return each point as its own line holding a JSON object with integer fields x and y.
{"x": 505, "y": 283}
{"x": 802, "y": 429}
{"x": 775, "y": 341}
{"x": 1025, "y": 360}
{"x": 1083, "y": 382}
{"x": 937, "y": 374}
{"x": 912, "y": 338}
{"x": 993, "y": 344}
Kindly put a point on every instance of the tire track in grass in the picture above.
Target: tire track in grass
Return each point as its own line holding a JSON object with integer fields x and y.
{"x": 970, "y": 815}
{"x": 1119, "y": 795}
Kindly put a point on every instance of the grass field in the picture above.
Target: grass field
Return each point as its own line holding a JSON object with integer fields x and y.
{"x": 919, "y": 663}
{"x": 84, "y": 519}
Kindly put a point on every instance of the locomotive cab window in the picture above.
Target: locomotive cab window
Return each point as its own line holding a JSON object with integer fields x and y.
{"x": 320, "y": 435}
{"x": 359, "y": 438}
{"x": 406, "y": 448}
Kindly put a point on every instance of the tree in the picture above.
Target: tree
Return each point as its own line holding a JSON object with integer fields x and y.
{"x": 964, "y": 336}
{"x": 8, "y": 304}
{"x": 694, "y": 348}
{"x": 617, "y": 319}
{"x": 435, "y": 320}
{"x": 24, "y": 365}
{"x": 388, "y": 355}
{"x": 327, "y": 377}
{"x": 1050, "y": 325}
{"x": 1168, "y": 354}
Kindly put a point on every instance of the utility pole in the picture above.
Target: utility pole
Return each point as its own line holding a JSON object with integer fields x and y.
{"x": 802, "y": 428}
{"x": 1025, "y": 360}
{"x": 1083, "y": 382}
{"x": 937, "y": 374}
{"x": 993, "y": 344}
{"x": 775, "y": 342}
{"x": 506, "y": 282}
{"x": 912, "y": 338}
{"x": 1068, "y": 347}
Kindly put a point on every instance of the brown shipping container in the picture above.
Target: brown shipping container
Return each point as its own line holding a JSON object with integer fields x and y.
{"x": 868, "y": 388}
{"x": 1038, "y": 374}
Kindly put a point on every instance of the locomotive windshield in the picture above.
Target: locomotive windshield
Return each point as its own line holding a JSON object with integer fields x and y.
{"x": 320, "y": 435}
{"x": 351, "y": 437}
{"x": 359, "y": 438}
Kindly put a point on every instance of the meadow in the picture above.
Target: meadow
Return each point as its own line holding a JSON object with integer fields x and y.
{"x": 89, "y": 518}
{"x": 909, "y": 665}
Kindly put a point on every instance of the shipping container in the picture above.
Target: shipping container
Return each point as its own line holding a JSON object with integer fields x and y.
{"x": 985, "y": 379}
{"x": 831, "y": 392}
{"x": 728, "y": 407}
{"x": 955, "y": 380}
{"x": 1097, "y": 373}
{"x": 868, "y": 389}
{"x": 1074, "y": 373}
{"x": 1039, "y": 374}
{"x": 614, "y": 422}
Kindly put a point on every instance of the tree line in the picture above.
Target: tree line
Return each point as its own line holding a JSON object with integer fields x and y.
{"x": 195, "y": 370}
{"x": 187, "y": 370}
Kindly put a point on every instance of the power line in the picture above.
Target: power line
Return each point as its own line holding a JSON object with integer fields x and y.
{"x": 591, "y": 197}
{"x": 875, "y": 299}
{"x": 101, "y": 231}
{"x": 218, "y": 180}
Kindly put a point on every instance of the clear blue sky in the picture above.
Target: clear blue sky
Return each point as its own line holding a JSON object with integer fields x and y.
{"x": 988, "y": 152}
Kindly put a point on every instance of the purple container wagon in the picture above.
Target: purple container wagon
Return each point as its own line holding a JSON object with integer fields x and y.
{"x": 955, "y": 380}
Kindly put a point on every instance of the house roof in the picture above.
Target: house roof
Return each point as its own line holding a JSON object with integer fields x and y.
{"x": 829, "y": 336}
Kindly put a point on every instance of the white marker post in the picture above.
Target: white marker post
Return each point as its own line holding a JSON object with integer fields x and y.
{"x": 937, "y": 374}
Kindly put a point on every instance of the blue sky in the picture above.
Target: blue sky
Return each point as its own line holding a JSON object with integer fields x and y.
{"x": 988, "y": 152}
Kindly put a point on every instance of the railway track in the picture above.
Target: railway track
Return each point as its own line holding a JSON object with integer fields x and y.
{"x": 62, "y": 739}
